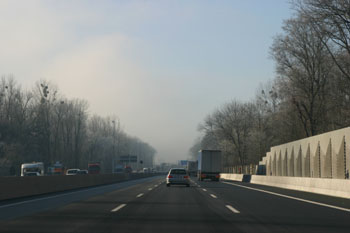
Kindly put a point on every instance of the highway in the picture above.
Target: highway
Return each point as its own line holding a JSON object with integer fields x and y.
{"x": 147, "y": 205}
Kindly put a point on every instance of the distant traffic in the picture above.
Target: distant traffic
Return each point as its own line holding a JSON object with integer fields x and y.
{"x": 38, "y": 169}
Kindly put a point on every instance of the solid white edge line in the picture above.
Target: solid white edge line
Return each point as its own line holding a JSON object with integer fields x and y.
{"x": 204, "y": 190}
{"x": 118, "y": 208}
{"x": 140, "y": 195}
{"x": 232, "y": 209}
{"x": 213, "y": 196}
{"x": 290, "y": 197}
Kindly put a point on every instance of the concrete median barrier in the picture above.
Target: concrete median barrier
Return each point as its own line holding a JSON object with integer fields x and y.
{"x": 15, "y": 187}
{"x": 331, "y": 187}
{"x": 230, "y": 176}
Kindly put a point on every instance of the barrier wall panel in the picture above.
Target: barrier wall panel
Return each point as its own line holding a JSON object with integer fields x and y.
{"x": 275, "y": 164}
{"x": 340, "y": 152}
{"x": 306, "y": 164}
{"x": 285, "y": 163}
{"x": 298, "y": 164}
{"x": 279, "y": 167}
{"x": 318, "y": 161}
{"x": 327, "y": 160}
{"x": 347, "y": 151}
{"x": 291, "y": 163}
{"x": 335, "y": 142}
{"x": 268, "y": 164}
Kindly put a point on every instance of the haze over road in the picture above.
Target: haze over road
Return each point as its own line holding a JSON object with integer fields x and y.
{"x": 147, "y": 205}
{"x": 160, "y": 66}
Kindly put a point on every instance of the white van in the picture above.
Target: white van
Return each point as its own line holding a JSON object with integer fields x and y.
{"x": 29, "y": 169}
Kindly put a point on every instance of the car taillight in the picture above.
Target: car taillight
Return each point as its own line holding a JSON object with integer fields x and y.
{"x": 203, "y": 175}
{"x": 186, "y": 177}
{"x": 217, "y": 176}
{"x": 170, "y": 176}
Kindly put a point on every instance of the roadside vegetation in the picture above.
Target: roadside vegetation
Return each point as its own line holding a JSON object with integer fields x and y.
{"x": 309, "y": 95}
{"x": 42, "y": 125}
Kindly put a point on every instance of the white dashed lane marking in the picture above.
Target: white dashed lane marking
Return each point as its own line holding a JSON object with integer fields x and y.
{"x": 140, "y": 195}
{"x": 118, "y": 208}
{"x": 232, "y": 209}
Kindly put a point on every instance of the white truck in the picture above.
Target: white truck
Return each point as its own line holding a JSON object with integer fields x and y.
{"x": 209, "y": 165}
{"x": 32, "y": 169}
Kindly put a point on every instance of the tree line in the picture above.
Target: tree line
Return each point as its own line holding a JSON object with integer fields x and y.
{"x": 309, "y": 95}
{"x": 42, "y": 125}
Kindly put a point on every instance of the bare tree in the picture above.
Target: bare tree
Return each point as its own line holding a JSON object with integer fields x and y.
{"x": 233, "y": 124}
{"x": 331, "y": 20}
{"x": 42, "y": 125}
{"x": 304, "y": 68}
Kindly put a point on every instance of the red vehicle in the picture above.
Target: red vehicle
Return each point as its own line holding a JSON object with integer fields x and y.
{"x": 128, "y": 169}
{"x": 94, "y": 168}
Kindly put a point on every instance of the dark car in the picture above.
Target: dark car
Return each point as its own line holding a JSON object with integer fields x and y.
{"x": 32, "y": 174}
{"x": 72, "y": 172}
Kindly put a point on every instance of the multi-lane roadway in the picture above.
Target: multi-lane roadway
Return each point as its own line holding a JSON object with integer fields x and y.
{"x": 147, "y": 205}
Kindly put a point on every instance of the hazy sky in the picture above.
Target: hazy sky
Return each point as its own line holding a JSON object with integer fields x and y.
{"x": 160, "y": 66}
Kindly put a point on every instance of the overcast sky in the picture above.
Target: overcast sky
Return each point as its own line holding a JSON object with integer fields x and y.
{"x": 160, "y": 66}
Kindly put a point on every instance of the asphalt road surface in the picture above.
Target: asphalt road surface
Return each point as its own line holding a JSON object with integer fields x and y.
{"x": 147, "y": 205}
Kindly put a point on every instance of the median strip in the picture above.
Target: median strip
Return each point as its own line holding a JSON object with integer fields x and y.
{"x": 290, "y": 197}
{"x": 118, "y": 208}
{"x": 232, "y": 209}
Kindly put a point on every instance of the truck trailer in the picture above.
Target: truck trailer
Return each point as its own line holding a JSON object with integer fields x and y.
{"x": 32, "y": 169}
{"x": 209, "y": 165}
{"x": 94, "y": 168}
{"x": 192, "y": 168}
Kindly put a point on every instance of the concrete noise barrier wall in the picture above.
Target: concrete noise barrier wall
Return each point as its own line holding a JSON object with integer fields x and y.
{"x": 230, "y": 176}
{"x": 322, "y": 156}
{"x": 15, "y": 187}
{"x": 331, "y": 187}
